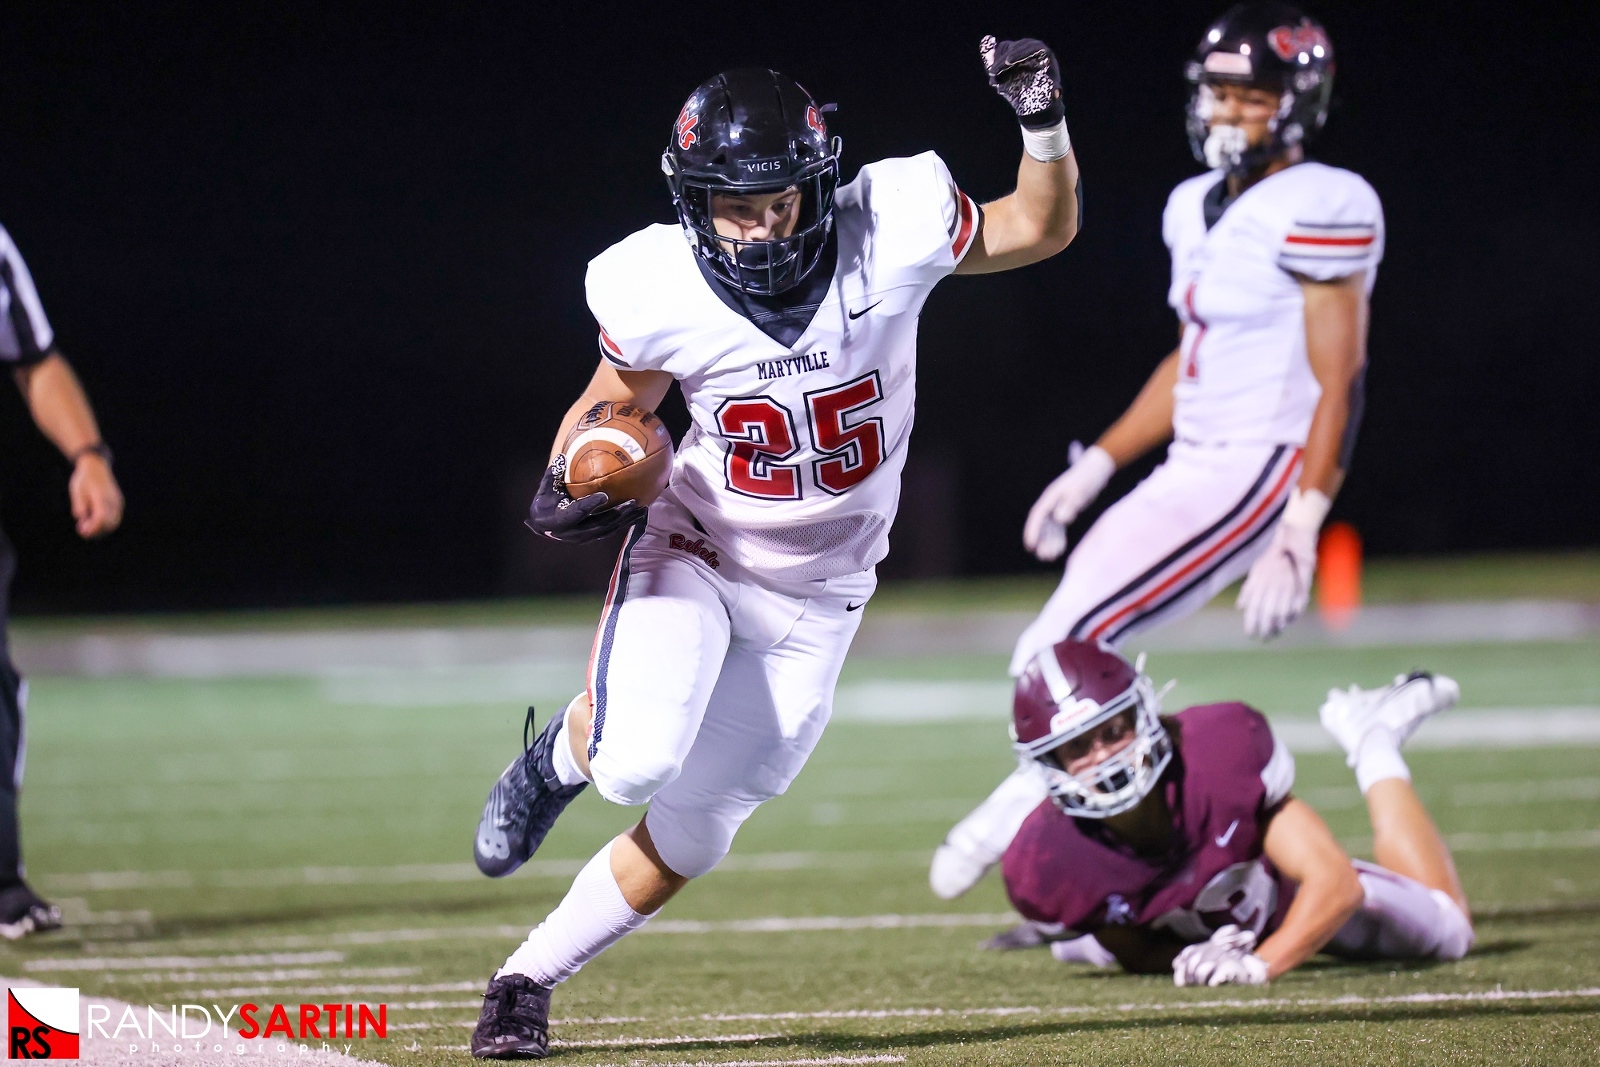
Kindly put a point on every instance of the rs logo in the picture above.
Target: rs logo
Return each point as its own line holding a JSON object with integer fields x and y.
{"x": 41, "y": 1023}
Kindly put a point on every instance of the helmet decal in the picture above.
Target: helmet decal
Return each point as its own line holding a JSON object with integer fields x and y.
{"x": 814, "y": 120}
{"x": 1069, "y": 715}
{"x": 686, "y": 125}
{"x": 1290, "y": 41}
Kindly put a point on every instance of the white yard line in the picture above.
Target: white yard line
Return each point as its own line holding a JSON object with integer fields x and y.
{"x": 1487, "y": 996}
{"x": 738, "y": 863}
{"x": 418, "y": 873}
{"x": 1507, "y": 841}
{"x": 1350, "y": 1000}
{"x": 650, "y": 1042}
{"x": 133, "y": 963}
{"x": 1491, "y": 728}
{"x": 449, "y": 665}
{"x": 809, "y": 1062}
{"x": 330, "y": 991}
{"x": 309, "y": 974}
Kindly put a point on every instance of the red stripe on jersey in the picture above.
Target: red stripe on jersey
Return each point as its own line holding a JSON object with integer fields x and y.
{"x": 608, "y": 344}
{"x": 1295, "y": 239}
{"x": 968, "y": 227}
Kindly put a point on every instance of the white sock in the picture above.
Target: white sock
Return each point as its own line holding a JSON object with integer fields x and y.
{"x": 591, "y": 918}
{"x": 988, "y": 829}
{"x": 566, "y": 766}
{"x": 1378, "y": 757}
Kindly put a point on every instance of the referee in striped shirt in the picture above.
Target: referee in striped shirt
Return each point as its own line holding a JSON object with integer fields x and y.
{"x": 62, "y": 412}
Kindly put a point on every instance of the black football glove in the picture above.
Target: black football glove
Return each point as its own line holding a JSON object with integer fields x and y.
{"x": 556, "y": 515}
{"x": 1026, "y": 73}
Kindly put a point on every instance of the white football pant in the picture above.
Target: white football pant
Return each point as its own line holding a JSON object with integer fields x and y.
{"x": 1401, "y": 919}
{"x": 1180, "y": 537}
{"x": 710, "y": 685}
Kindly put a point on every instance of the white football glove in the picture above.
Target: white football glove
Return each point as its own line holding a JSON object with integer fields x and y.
{"x": 1224, "y": 960}
{"x": 1045, "y": 533}
{"x": 1278, "y": 587}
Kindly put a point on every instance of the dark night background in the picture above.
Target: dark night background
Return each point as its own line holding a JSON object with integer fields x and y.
{"x": 321, "y": 270}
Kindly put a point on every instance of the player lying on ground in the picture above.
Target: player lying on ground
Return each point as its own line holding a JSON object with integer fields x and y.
{"x": 1175, "y": 842}
{"x": 1273, "y": 260}
{"x": 788, "y": 317}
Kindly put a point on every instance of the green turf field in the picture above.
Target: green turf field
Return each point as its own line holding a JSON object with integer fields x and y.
{"x": 223, "y": 841}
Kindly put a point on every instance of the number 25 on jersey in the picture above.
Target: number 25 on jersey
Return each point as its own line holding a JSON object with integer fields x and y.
{"x": 761, "y": 434}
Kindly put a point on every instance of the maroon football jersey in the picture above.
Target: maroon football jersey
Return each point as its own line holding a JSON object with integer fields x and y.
{"x": 1228, "y": 772}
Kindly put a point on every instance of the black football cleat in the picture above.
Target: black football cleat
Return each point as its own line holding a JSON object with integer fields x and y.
{"x": 515, "y": 1021}
{"x": 523, "y": 804}
{"x": 23, "y": 912}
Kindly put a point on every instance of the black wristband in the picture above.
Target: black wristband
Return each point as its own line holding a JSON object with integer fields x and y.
{"x": 99, "y": 448}
{"x": 1043, "y": 120}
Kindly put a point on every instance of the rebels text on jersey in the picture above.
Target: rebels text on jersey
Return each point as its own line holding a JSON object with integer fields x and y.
{"x": 1243, "y": 376}
{"x": 1228, "y": 773}
{"x": 792, "y": 464}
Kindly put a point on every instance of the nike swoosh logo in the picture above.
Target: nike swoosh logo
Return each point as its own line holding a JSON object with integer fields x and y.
{"x": 854, "y": 607}
{"x": 1223, "y": 840}
{"x": 857, "y": 314}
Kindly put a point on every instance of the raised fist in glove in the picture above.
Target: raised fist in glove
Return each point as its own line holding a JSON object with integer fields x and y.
{"x": 1224, "y": 960}
{"x": 1026, "y": 73}
{"x": 556, "y": 515}
{"x": 1278, "y": 587}
{"x": 1045, "y": 532}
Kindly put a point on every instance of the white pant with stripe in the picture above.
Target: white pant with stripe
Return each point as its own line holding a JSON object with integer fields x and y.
{"x": 710, "y": 685}
{"x": 1181, "y": 536}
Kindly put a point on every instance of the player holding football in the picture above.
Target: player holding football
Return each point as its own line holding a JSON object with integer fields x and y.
{"x": 1175, "y": 843}
{"x": 1273, "y": 260}
{"x": 785, "y": 306}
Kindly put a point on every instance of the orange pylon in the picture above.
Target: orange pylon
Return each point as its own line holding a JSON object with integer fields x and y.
{"x": 1339, "y": 575}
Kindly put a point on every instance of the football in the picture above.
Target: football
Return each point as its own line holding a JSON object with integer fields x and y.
{"x": 622, "y": 450}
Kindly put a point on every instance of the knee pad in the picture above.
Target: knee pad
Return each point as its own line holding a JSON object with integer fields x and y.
{"x": 694, "y": 833}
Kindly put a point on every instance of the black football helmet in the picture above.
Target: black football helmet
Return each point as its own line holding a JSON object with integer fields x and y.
{"x": 753, "y": 131}
{"x": 1271, "y": 45}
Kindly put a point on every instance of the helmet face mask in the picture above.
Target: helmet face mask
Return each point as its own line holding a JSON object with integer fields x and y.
{"x": 747, "y": 133}
{"x": 1266, "y": 45}
{"x": 769, "y": 265}
{"x": 1070, "y": 692}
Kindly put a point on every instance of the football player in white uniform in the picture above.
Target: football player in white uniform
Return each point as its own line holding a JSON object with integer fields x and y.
{"x": 785, "y": 305}
{"x": 1273, "y": 260}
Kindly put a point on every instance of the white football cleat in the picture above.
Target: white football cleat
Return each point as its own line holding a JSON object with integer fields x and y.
{"x": 1349, "y": 715}
{"x": 978, "y": 842}
{"x": 954, "y": 872}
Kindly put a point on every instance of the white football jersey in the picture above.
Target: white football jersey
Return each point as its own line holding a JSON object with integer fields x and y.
{"x": 1243, "y": 375}
{"x": 792, "y": 464}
